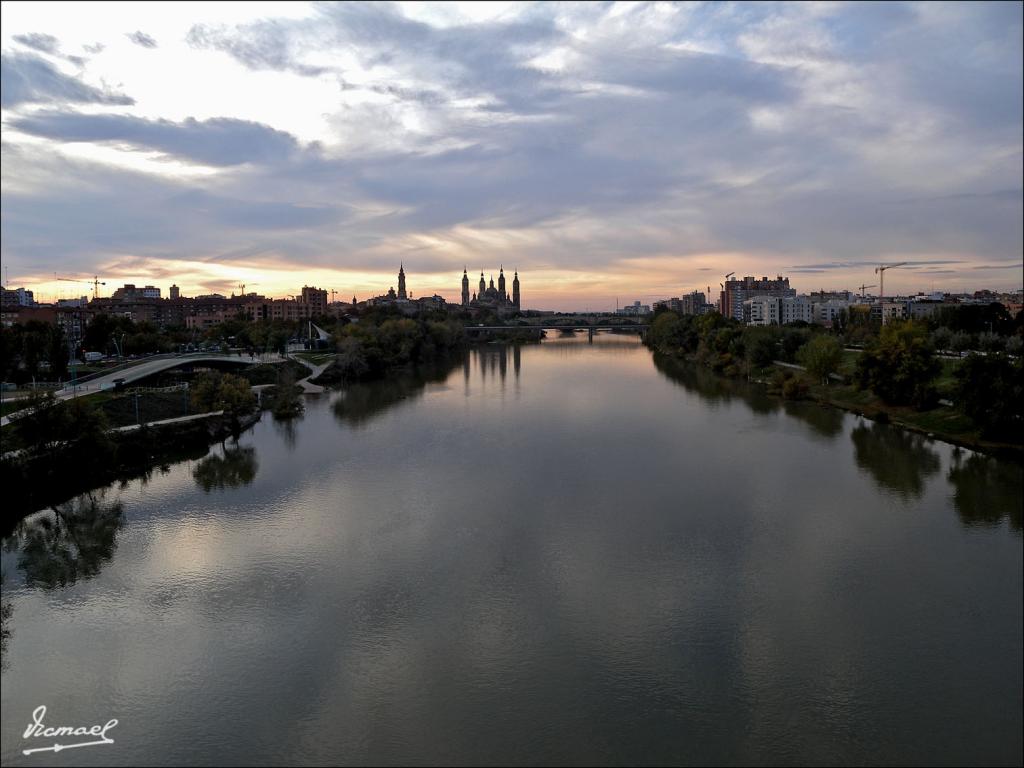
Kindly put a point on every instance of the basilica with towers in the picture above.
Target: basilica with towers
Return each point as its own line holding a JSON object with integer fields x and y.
{"x": 489, "y": 297}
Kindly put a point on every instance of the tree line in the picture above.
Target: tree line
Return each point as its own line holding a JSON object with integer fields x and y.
{"x": 898, "y": 362}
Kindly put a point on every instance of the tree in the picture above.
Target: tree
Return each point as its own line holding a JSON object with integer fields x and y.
{"x": 991, "y": 342}
{"x": 821, "y": 356}
{"x": 49, "y": 423}
{"x": 961, "y": 342}
{"x": 350, "y": 362}
{"x": 57, "y": 353}
{"x": 942, "y": 338}
{"x": 900, "y": 366}
{"x": 287, "y": 401}
{"x": 761, "y": 346}
{"x": 990, "y": 390}
{"x": 216, "y": 391}
{"x": 792, "y": 340}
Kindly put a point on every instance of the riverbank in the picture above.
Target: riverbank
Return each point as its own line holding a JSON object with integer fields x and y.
{"x": 945, "y": 423}
{"x": 37, "y": 479}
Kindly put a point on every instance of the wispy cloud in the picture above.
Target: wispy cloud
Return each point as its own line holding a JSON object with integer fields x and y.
{"x": 38, "y": 41}
{"x": 141, "y": 38}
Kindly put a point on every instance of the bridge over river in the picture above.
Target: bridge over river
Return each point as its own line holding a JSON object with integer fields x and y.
{"x": 537, "y": 331}
{"x": 140, "y": 369}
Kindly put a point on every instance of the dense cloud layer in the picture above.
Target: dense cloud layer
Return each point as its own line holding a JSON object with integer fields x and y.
{"x": 644, "y": 143}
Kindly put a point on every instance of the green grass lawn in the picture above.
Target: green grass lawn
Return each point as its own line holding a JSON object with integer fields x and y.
{"x": 946, "y": 382}
{"x": 848, "y": 363}
{"x": 120, "y": 409}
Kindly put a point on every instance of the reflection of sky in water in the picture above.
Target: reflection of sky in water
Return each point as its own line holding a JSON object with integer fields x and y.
{"x": 587, "y": 561}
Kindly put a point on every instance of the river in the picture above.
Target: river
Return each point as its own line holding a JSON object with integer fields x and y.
{"x": 568, "y": 552}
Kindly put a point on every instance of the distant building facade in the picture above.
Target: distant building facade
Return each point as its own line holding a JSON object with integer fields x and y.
{"x": 18, "y": 297}
{"x": 636, "y": 309}
{"x": 491, "y": 297}
{"x": 736, "y": 292}
{"x": 129, "y": 292}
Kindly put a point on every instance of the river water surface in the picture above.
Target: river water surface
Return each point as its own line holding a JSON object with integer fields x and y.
{"x": 562, "y": 553}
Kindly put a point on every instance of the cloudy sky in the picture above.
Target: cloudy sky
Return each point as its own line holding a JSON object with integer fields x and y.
{"x": 606, "y": 151}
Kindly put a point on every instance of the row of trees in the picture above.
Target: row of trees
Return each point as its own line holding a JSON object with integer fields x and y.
{"x": 899, "y": 364}
{"x": 383, "y": 339}
{"x": 41, "y": 351}
{"x": 35, "y": 350}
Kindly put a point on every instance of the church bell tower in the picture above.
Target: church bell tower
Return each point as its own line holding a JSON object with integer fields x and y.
{"x": 465, "y": 288}
{"x": 401, "y": 282}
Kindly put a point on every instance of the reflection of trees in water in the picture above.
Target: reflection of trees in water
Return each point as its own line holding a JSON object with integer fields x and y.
{"x": 286, "y": 428}
{"x": 714, "y": 387}
{"x": 823, "y": 420}
{"x": 986, "y": 490}
{"x": 234, "y": 468}
{"x": 362, "y": 401}
{"x": 6, "y": 609}
{"x": 897, "y": 459}
{"x": 69, "y": 542}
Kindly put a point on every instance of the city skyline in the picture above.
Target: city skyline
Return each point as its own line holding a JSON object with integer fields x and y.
{"x": 86, "y": 288}
{"x": 611, "y": 152}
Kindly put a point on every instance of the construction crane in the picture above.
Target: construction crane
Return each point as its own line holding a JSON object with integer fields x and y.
{"x": 95, "y": 283}
{"x": 864, "y": 287}
{"x": 880, "y": 271}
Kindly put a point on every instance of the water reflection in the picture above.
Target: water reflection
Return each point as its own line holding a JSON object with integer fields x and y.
{"x": 286, "y": 428}
{"x": 67, "y": 542}
{"x": 752, "y": 601}
{"x": 234, "y": 468}
{"x": 6, "y": 609}
{"x": 897, "y": 459}
{"x": 987, "y": 491}
{"x": 823, "y": 420}
{"x": 712, "y": 387}
{"x": 362, "y": 401}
